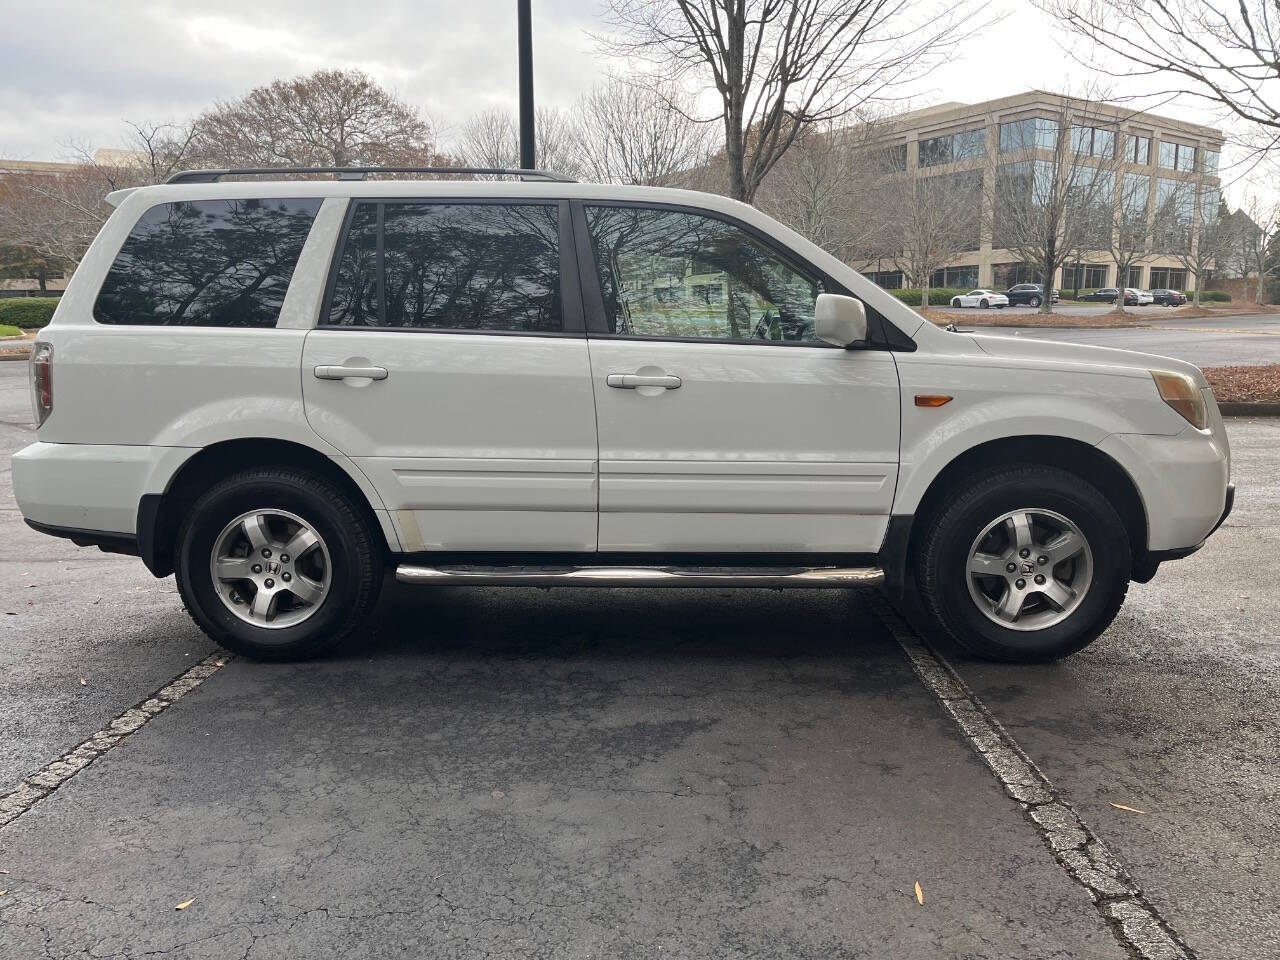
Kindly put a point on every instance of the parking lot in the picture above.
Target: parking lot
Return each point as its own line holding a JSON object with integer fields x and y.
{"x": 643, "y": 773}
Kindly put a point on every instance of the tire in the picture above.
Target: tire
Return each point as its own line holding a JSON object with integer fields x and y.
{"x": 956, "y": 303}
{"x": 985, "y": 304}
{"x": 342, "y": 571}
{"x": 1034, "y": 302}
{"x": 1095, "y": 579}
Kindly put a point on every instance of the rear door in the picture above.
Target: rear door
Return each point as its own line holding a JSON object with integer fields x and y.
{"x": 724, "y": 424}
{"x": 450, "y": 364}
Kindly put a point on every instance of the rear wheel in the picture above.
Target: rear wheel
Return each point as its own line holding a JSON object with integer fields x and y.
{"x": 1034, "y": 301}
{"x": 276, "y": 564}
{"x": 985, "y": 304}
{"x": 1026, "y": 563}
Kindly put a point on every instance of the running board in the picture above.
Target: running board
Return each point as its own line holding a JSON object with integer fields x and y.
{"x": 523, "y": 576}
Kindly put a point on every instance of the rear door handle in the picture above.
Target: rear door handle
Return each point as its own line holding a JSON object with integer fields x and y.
{"x": 337, "y": 372}
{"x": 629, "y": 381}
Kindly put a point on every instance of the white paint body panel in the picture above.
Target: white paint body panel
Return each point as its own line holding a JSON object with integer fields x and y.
{"x": 474, "y": 442}
{"x": 762, "y": 448}
{"x": 491, "y": 442}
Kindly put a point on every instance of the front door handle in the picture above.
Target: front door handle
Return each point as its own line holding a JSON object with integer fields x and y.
{"x": 337, "y": 372}
{"x": 630, "y": 381}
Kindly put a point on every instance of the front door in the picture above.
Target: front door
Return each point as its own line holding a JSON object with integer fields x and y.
{"x": 450, "y": 365}
{"x": 724, "y": 424}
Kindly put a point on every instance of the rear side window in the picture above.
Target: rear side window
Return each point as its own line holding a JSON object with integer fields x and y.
{"x": 207, "y": 263}
{"x": 450, "y": 266}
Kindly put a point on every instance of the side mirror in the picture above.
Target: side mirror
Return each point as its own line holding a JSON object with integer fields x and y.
{"x": 840, "y": 320}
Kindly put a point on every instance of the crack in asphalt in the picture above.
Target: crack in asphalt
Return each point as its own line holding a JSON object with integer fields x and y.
{"x": 36, "y": 786}
{"x": 1140, "y": 928}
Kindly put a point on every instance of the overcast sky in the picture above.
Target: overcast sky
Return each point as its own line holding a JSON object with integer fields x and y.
{"x": 73, "y": 71}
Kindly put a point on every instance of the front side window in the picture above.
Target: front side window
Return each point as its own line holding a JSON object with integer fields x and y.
{"x": 674, "y": 274}
{"x": 450, "y": 266}
{"x": 207, "y": 263}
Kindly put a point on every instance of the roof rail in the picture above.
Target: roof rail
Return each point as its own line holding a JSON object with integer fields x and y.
{"x": 359, "y": 173}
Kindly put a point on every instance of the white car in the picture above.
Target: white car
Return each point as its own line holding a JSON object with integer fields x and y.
{"x": 1142, "y": 298}
{"x": 981, "y": 298}
{"x": 281, "y": 390}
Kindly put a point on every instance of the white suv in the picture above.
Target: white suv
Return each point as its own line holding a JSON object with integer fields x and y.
{"x": 280, "y": 390}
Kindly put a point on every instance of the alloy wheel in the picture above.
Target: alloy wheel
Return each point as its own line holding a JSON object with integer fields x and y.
{"x": 1029, "y": 569}
{"x": 270, "y": 568}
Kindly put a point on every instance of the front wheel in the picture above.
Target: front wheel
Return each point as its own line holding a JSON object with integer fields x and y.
{"x": 1035, "y": 301}
{"x": 985, "y": 304}
{"x": 1027, "y": 563}
{"x": 956, "y": 302}
{"x": 277, "y": 564}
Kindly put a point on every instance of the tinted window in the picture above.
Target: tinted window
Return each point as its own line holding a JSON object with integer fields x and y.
{"x": 211, "y": 263}
{"x": 450, "y": 266}
{"x": 667, "y": 273}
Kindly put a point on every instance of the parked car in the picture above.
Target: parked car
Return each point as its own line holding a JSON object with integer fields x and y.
{"x": 1136, "y": 298}
{"x": 1109, "y": 295}
{"x": 1031, "y": 294}
{"x": 280, "y": 390}
{"x": 981, "y": 298}
{"x": 1168, "y": 298}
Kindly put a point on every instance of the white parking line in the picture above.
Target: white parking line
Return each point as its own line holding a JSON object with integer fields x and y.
{"x": 1079, "y": 851}
{"x": 34, "y": 788}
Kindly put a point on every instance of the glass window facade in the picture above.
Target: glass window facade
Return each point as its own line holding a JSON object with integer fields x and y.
{"x": 1177, "y": 156}
{"x": 953, "y": 148}
{"x": 1085, "y": 276}
{"x": 966, "y": 276}
{"x": 1168, "y": 278}
{"x": 1033, "y": 133}
{"x": 889, "y": 279}
{"x": 1211, "y": 162}
{"x": 1093, "y": 141}
{"x": 1138, "y": 150}
{"x": 1006, "y": 275}
{"x": 1135, "y": 278}
{"x": 1175, "y": 212}
{"x": 894, "y": 159}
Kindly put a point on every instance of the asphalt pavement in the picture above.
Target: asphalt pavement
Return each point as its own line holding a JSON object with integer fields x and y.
{"x": 1219, "y": 341}
{"x": 631, "y": 773}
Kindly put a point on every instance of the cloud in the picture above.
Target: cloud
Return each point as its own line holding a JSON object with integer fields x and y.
{"x": 74, "y": 73}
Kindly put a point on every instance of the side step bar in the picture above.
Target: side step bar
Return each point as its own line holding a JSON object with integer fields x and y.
{"x": 514, "y": 576}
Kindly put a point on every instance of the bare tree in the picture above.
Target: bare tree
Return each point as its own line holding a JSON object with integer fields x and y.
{"x": 1225, "y": 52}
{"x": 635, "y": 134}
{"x": 829, "y": 188}
{"x": 1260, "y": 241}
{"x": 491, "y": 138}
{"x": 330, "y": 118}
{"x": 1129, "y": 229}
{"x": 929, "y": 221}
{"x": 778, "y": 66}
{"x": 54, "y": 216}
{"x": 1200, "y": 248}
{"x": 1054, "y": 187}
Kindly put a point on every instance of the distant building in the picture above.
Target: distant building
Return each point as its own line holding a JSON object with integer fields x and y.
{"x": 1174, "y": 160}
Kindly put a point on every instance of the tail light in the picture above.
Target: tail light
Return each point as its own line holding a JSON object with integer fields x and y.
{"x": 42, "y": 381}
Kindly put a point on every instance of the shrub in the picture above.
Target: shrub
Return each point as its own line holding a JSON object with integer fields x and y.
{"x": 1211, "y": 296}
{"x": 8, "y": 331}
{"x": 938, "y": 296}
{"x": 29, "y": 313}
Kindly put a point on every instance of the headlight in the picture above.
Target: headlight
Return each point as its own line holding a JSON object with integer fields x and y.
{"x": 1180, "y": 392}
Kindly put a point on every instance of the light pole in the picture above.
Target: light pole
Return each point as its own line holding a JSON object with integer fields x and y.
{"x": 525, "y": 43}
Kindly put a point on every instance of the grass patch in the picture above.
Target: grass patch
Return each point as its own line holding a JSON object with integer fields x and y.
{"x": 8, "y": 331}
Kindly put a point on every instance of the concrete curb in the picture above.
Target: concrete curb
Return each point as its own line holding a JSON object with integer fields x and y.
{"x": 1249, "y": 409}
